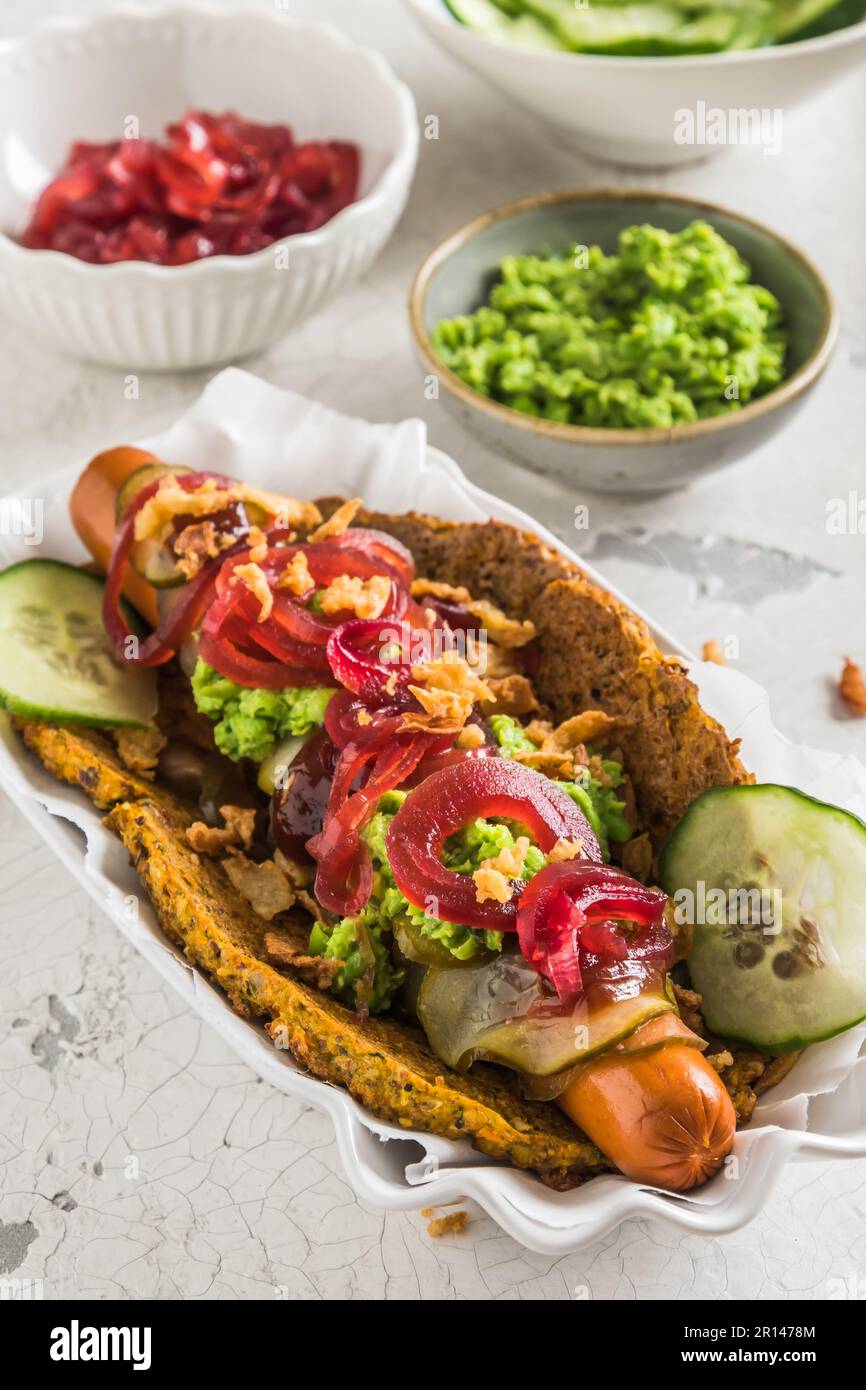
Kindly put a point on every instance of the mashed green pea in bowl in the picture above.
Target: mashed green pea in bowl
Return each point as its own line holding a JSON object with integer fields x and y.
{"x": 621, "y": 340}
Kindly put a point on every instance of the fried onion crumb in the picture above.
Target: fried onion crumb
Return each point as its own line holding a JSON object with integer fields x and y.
{"x": 139, "y": 749}
{"x": 711, "y": 651}
{"x": 214, "y": 840}
{"x": 564, "y": 850}
{"x": 339, "y": 521}
{"x": 852, "y": 688}
{"x": 452, "y": 1224}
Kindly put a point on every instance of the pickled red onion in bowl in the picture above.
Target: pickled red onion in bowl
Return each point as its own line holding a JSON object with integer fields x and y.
{"x": 74, "y": 76}
{"x": 213, "y": 185}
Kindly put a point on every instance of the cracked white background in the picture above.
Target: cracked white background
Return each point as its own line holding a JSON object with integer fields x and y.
{"x": 138, "y": 1158}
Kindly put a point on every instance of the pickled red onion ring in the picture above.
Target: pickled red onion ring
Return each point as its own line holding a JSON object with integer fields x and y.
{"x": 450, "y": 799}
{"x": 357, "y": 667}
{"x": 567, "y": 923}
{"x": 379, "y": 546}
{"x": 344, "y": 878}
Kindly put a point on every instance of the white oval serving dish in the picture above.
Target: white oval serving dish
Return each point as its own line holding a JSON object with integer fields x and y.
{"x": 244, "y": 426}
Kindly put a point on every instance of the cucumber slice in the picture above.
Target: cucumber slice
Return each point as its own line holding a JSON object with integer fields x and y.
{"x": 478, "y": 14}
{"x": 608, "y": 27}
{"x": 55, "y": 658}
{"x": 709, "y": 33}
{"x": 153, "y": 559}
{"x": 157, "y": 564}
{"x": 529, "y": 32}
{"x": 777, "y": 883}
{"x": 794, "y": 20}
{"x": 753, "y": 30}
{"x": 154, "y": 562}
{"x": 482, "y": 15}
{"x": 504, "y": 21}
{"x": 640, "y": 30}
{"x": 694, "y": 8}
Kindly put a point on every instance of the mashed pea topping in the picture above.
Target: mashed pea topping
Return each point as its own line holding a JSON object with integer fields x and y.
{"x": 249, "y": 723}
{"x": 364, "y": 940}
{"x": 371, "y": 974}
{"x": 595, "y": 795}
{"x": 667, "y": 330}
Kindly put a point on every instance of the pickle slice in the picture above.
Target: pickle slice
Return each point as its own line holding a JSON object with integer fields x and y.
{"x": 497, "y": 1011}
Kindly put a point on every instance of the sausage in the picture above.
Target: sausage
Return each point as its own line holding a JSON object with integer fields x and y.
{"x": 91, "y": 508}
{"x": 662, "y": 1115}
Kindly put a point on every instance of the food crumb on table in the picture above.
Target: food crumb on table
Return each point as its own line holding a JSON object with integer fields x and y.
{"x": 852, "y": 687}
{"x": 452, "y": 1224}
{"x": 711, "y": 651}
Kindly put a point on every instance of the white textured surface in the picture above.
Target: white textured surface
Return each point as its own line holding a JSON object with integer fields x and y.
{"x": 188, "y": 1176}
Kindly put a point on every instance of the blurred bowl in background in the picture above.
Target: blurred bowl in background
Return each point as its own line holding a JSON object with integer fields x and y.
{"x": 455, "y": 279}
{"x": 82, "y": 80}
{"x": 626, "y": 109}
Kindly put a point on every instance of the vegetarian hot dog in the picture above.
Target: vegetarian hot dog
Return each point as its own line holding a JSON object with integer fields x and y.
{"x": 662, "y": 1115}
{"x": 652, "y": 1104}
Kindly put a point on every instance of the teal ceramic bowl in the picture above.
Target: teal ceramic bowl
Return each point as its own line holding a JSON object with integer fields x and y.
{"x": 456, "y": 277}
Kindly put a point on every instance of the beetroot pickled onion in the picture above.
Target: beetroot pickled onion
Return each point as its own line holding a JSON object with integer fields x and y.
{"x": 227, "y": 636}
{"x": 284, "y": 650}
{"x": 379, "y": 546}
{"x": 454, "y": 615}
{"x": 344, "y": 878}
{"x": 216, "y": 185}
{"x": 325, "y": 563}
{"x": 292, "y": 634}
{"x": 349, "y": 719}
{"x": 561, "y": 959}
{"x": 226, "y": 657}
{"x": 567, "y": 920}
{"x": 434, "y": 762}
{"x": 355, "y": 654}
{"x": 450, "y": 799}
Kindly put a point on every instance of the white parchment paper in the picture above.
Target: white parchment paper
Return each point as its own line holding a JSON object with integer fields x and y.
{"x": 243, "y": 426}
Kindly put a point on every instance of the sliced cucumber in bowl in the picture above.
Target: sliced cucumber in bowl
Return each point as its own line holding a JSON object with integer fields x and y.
{"x": 796, "y": 20}
{"x": 774, "y": 883}
{"x": 56, "y": 662}
{"x": 483, "y": 15}
{"x": 503, "y": 21}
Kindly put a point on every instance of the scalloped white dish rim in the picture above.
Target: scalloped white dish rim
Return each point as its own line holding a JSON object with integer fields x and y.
{"x": 382, "y": 1160}
{"x": 377, "y": 199}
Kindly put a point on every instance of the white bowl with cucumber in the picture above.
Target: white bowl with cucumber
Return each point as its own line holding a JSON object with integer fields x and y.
{"x": 640, "y": 83}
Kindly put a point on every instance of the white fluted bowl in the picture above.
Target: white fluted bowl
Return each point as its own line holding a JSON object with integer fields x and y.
{"x": 72, "y": 80}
